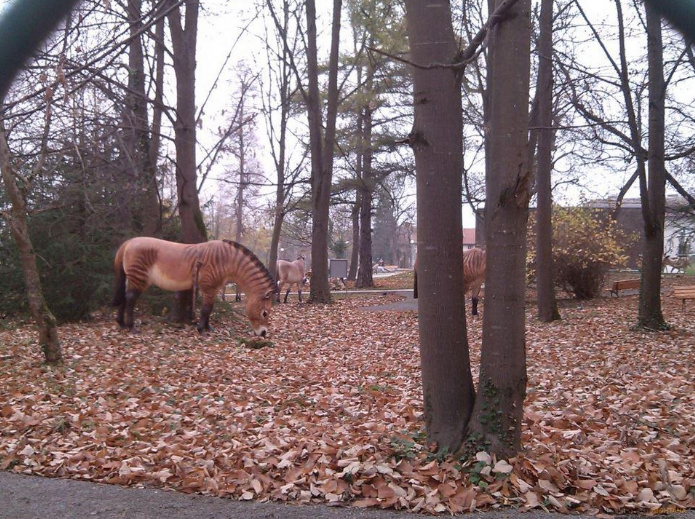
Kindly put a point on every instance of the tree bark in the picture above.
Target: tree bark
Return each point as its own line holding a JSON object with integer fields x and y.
{"x": 19, "y": 227}
{"x": 355, "y": 255}
{"x": 364, "y": 274}
{"x": 147, "y": 213}
{"x": 321, "y": 149}
{"x": 547, "y": 304}
{"x": 184, "y": 41}
{"x": 436, "y": 139}
{"x": 184, "y": 56}
{"x": 242, "y": 172}
{"x": 650, "y": 315}
{"x": 498, "y": 412}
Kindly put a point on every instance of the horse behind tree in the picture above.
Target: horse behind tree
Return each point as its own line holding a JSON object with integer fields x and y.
{"x": 473, "y": 275}
{"x": 291, "y": 272}
{"x": 141, "y": 262}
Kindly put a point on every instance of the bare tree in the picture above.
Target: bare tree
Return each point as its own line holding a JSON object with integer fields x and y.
{"x": 141, "y": 163}
{"x": 278, "y": 92}
{"x": 436, "y": 139}
{"x": 18, "y": 186}
{"x": 547, "y": 304}
{"x": 184, "y": 40}
{"x": 497, "y": 417}
{"x": 322, "y": 148}
{"x": 653, "y": 189}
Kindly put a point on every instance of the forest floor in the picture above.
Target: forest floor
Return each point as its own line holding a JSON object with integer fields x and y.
{"x": 332, "y": 412}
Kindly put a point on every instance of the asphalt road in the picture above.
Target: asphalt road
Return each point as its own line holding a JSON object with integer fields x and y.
{"x": 32, "y": 497}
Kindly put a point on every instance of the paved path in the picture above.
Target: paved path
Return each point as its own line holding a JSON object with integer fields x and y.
{"x": 32, "y": 497}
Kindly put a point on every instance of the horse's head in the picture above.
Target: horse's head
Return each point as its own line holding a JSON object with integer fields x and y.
{"x": 258, "y": 308}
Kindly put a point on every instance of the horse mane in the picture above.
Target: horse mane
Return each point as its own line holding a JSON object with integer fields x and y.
{"x": 254, "y": 259}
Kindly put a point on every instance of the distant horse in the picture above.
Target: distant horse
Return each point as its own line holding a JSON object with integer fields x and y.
{"x": 141, "y": 262}
{"x": 291, "y": 272}
{"x": 681, "y": 263}
{"x": 473, "y": 275}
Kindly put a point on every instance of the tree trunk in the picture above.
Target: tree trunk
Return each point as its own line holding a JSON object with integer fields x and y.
{"x": 321, "y": 150}
{"x": 154, "y": 227}
{"x": 242, "y": 173}
{"x": 650, "y": 315}
{"x": 547, "y": 304}
{"x": 146, "y": 214}
{"x": 436, "y": 139}
{"x": 356, "y": 208}
{"x": 364, "y": 274}
{"x": 280, "y": 157}
{"x": 17, "y": 221}
{"x": 355, "y": 255}
{"x": 192, "y": 224}
{"x": 497, "y": 417}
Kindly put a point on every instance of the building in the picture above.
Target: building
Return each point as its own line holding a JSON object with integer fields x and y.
{"x": 406, "y": 243}
{"x": 679, "y": 226}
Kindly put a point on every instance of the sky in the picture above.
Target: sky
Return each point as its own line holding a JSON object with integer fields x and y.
{"x": 230, "y": 31}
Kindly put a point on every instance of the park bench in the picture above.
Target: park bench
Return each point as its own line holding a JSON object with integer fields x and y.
{"x": 684, "y": 293}
{"x": 623, "y": 284}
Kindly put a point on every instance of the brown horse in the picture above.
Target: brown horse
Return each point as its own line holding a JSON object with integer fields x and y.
{"x": 142, "y": 262}
{"x": 291, "y": 272}
{"x": 473, "y": 275}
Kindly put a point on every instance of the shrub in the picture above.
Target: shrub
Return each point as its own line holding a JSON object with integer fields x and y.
{"x": 586, "y": 244}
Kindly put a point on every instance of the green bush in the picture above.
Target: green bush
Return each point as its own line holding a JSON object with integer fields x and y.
{"x": 586, "y": 244}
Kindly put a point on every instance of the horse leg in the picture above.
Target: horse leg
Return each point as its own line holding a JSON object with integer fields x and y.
{"x": 131, "y": 297}
{"x": 205, "y": 310}
{"x": 287, "y": 294}
{"x": 474, "y": 299}
{"x": 120, "y": 317}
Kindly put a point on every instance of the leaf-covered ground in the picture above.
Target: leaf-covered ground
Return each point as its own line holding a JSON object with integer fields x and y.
{"x": 332, "y": 412}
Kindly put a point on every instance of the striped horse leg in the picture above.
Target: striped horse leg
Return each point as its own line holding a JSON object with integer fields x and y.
{"x": 131, "y": 297}
{"x": 475, "y": 293}
{"x": 206, "y": 310}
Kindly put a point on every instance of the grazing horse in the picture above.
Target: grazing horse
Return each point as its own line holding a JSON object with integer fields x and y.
{"x": 473, "y": 275}
{"x": 141, "y": 262}
{"x": 291, "y": 272}
{"x": 681, "y": 263}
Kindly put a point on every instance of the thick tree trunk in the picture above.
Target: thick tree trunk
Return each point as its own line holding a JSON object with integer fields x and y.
{"x": 364, "y": 274}
{"x": 547, "y": 304}
{"x": 436, "y": 139}
{"x": 184, "y": 45}
{"x": 650, "y": 315}
{"x": 19, "y": 227}
{"x": 146, "y": 214}
{"x": 321, "y": 150}
{"x": 497, "y": 417}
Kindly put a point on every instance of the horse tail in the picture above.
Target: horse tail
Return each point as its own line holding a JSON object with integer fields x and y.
{"x": 414, "y": 283}
{"x": 119, "y": 289}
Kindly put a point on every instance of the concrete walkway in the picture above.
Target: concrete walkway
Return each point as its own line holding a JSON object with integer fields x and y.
{"x": 32, "y": 497}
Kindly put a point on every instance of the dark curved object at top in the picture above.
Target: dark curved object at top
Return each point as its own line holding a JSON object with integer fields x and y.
{"x": 25, "y": 24}
{"x": 680, "y": 13}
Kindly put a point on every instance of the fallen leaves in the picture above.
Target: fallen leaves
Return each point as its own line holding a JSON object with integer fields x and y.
{"x": 332, "y": 413}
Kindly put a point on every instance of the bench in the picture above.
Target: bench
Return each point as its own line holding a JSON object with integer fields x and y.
{"x": 623, "y": 284}
{"x": 684, "y": 293}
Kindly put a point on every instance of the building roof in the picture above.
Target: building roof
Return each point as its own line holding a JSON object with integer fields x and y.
{"x": 672, "y": 202}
